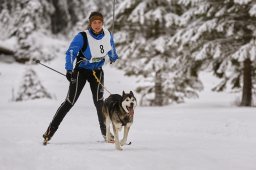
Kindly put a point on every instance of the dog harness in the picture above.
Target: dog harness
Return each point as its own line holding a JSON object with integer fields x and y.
{"x": 126, "y": 120}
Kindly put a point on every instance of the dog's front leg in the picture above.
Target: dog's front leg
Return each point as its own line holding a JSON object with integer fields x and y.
{"x": 117, "y": 143}
{"x": 126, "y": 131}
{"x": 108, "y": 122}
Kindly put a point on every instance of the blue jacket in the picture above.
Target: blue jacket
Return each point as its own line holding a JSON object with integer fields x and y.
{"x": 77, "y": 44}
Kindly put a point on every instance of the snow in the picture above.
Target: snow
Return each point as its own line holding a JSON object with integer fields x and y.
{"x": 171, "y": 19}
{"x": 209, "y": 133}
{"x": 159, "y": 44}
{"x": 138, "y": 14}
{"x": 242, "y": 2}
{"x": 252, "y": 11}
{"x": 9, "y": 44}
{"x": 208, "y": 26}
{"x": 246, "y": 51}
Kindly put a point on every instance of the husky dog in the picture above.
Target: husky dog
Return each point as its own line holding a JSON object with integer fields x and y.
{"x": 119, "y": 111}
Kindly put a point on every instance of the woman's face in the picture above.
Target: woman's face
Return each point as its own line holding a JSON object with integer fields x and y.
{"x": 97, "y": 25}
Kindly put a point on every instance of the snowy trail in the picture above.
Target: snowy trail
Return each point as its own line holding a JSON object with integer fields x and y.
{"x": 203, "y": 134}
{"x": 168, "y": 138}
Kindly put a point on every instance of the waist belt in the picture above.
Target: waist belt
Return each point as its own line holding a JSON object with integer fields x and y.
{"x": 95, "y": 60}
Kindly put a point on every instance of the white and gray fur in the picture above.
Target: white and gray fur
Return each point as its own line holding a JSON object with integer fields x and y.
{"x": 119, "y": 110}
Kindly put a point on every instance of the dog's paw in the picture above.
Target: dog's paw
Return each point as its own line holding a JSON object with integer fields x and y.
{"x": 119, "y": 148}
{"x": 123, "y": 142}
{"x": 110, "y": 141}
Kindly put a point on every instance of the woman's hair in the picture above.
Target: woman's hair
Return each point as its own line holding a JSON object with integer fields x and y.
{"x": 95, "y": 16}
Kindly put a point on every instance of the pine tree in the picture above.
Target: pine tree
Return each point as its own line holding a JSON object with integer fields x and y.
{"x": 31, "y": 87}
{"x": 22, "y": 19}
{"x": 33, "y": 22}
{"x": 67, "y": 13}
{"x": 221, "y": 35}
{"x": 143, "y": 29}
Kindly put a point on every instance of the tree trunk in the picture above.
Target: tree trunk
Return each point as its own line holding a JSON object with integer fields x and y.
{"x": 247, "y": 84}
{"x": 60, "y": 18}
{"x": 158, "y": 89}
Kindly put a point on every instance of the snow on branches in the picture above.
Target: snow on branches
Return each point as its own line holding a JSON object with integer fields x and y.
{"x": 31, "y": 87}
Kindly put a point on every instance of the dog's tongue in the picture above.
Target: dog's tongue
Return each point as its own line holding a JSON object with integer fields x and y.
{"x": 131, "y": 111}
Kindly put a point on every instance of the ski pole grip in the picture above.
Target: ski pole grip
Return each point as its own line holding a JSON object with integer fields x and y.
{"x": 36, "y": 61}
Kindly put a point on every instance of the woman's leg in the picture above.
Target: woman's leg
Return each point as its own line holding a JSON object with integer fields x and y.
{"x": 97, "y": 93}
{"x": 75, "y": 88}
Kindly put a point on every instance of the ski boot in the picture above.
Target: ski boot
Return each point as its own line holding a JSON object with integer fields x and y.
{"x": 48, "y": 134}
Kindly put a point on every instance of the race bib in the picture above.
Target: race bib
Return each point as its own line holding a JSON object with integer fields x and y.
{"x": 99, "y": 48}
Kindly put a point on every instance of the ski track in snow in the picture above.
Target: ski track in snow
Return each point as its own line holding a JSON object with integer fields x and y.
{"x": 208, "y": 133}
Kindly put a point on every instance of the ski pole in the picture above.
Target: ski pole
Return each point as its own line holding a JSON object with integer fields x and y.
{"x": 38, "y": 62}
{"x": 113, "y": 27}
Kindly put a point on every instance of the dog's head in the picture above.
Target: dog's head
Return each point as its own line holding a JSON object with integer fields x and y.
{"x": 129, "y": 102}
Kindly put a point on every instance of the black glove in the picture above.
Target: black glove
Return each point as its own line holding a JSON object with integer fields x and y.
{"x": 69, "y": 75}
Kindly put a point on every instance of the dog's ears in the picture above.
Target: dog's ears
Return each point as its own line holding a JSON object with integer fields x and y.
{"x": 131, "y": 93}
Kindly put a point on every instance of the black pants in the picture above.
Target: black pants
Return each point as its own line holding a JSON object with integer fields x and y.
{"x": 75, "y": 89}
